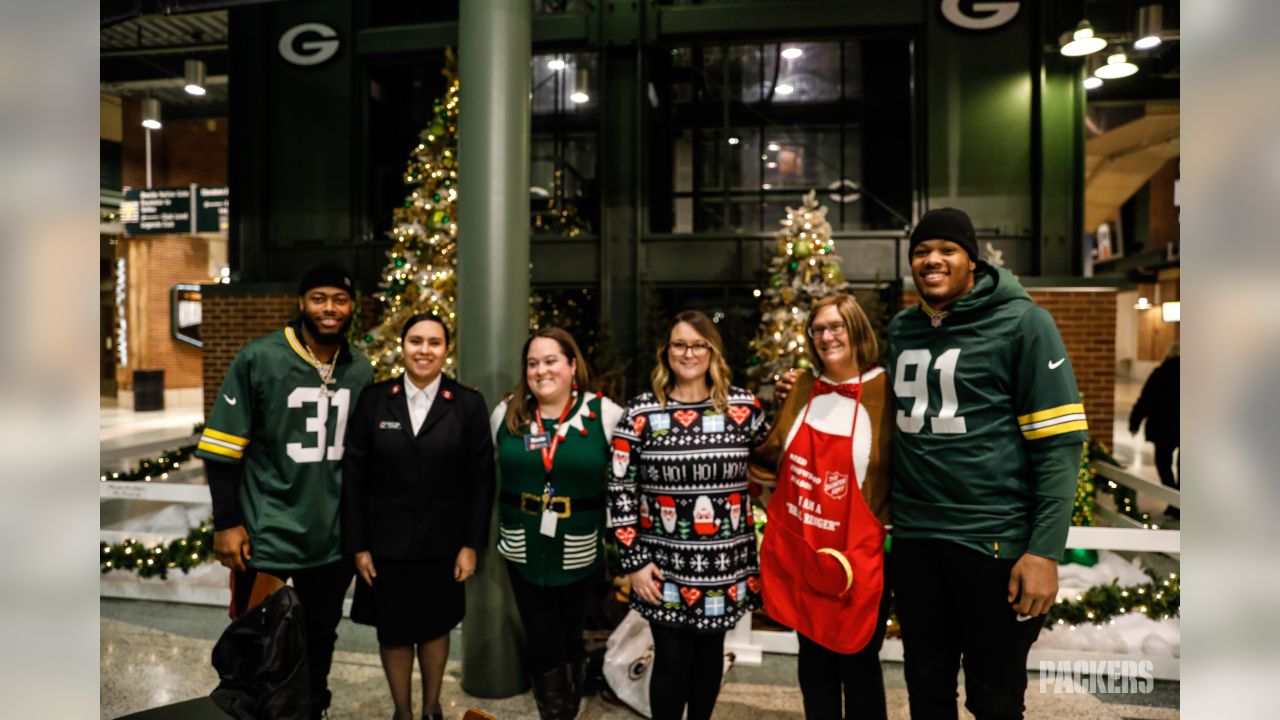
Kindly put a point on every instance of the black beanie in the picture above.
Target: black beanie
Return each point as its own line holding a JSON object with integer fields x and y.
{"x": 945, "y": 224}
{"x": 327, "y": 273}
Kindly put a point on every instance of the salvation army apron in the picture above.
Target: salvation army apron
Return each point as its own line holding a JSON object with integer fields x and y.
{"x": 818, "y": 509}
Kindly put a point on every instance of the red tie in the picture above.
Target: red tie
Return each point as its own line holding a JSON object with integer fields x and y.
{"x": 849, "y": 390}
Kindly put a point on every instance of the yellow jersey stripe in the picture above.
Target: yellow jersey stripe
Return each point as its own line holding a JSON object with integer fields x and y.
{"x": 1050, "y": 413}
{"x": 219, "y": 450}
{"x": 1056, "y": 430}
{"x": 297, "y": 346}
{"x": 226, "y": 437}
{"x": 1055, "y": 421}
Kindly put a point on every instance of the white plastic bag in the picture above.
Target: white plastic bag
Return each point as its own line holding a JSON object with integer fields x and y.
{"x": 628, "y": 660}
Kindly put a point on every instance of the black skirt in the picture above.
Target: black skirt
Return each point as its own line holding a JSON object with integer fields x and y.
{"x": 411, "y": 601}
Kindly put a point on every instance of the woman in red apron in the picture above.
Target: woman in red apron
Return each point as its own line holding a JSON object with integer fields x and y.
{"x": 822, "y": 562}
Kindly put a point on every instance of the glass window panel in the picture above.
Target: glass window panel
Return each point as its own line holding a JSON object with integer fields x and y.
{"x": 562, "y": 170}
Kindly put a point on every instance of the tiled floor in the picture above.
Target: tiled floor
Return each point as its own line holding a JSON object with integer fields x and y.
{"x": 154, "y": 654}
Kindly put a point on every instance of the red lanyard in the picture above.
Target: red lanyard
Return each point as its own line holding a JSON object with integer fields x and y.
{"x": 549, "y": 454}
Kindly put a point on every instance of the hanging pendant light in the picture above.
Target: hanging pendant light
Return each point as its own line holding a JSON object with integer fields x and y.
{"x": 194, "y": 73}
{"x": 1091, "y": 65}
{"x": 1150, "y": 27}
{"x": 151, "y": 114}
{"x": 1118, "y": 66}
{"x": 1083, "y": 41}
{"x": 580, "y": 87}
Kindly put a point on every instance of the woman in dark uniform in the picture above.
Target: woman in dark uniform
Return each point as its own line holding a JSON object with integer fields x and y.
{"x": 552, "y": 437}
{"x": 417, "y": 490}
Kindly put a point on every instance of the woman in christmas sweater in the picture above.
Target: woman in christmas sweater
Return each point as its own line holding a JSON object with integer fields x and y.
{"x": 552, "y": 438}
{"x": 822, "y": 561}
{"x": 681, "y": 515}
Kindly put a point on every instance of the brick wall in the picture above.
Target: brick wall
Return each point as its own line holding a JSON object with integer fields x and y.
{"x": 1086, "y": 317}
{"x": 229, "y": 322}
{"x": 155, "y": 263}
{"x": 182, "y": 152}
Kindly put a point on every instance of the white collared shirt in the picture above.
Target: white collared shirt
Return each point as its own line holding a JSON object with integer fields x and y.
{"x": 420, "y": 400}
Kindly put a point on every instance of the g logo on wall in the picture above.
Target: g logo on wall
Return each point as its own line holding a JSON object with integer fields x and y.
{"x": 980, "y": 15}
{"x": 309, "y": 44}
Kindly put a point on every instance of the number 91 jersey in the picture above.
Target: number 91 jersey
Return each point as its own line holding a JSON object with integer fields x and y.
{"x": 273, "y": 416}
{"x": 976, "y": 390}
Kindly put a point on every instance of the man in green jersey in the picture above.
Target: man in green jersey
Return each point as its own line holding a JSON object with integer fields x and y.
{"x": 273, "y": 449}
{"x": 986, "y": 452}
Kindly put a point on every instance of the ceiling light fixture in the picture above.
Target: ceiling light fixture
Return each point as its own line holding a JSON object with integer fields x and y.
{"x": 1082, "y": 42}
{"x": 784, "y": 89}
{"x": 792, "y": 53}
{"x": 1092, "y": 83}
{"x": 580, "y": 88}
{"x": 151, "y": 114}
{"x": 1150, "y": 27}
{"x": 1118, "y": 66}
{"x": 774, "y": 147}
{"x": 193, "y": 70}
{"x": 556, "y": 64}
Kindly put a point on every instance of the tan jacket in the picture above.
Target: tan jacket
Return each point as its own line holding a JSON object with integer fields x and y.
{"x": 876, "y": 399}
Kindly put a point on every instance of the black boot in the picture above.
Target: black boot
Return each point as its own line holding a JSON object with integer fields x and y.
{"x": 551, "y": 691}
{"x": 577, "y": 672}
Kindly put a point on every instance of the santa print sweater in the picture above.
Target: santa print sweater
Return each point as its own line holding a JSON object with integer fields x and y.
{"x": 678, "y": 499}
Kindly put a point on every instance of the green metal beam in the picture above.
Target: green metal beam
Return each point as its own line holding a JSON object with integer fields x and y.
{"x": 559, "y": 29}
{"x": 682, "y": 22}
{"x": 494, "y": 51}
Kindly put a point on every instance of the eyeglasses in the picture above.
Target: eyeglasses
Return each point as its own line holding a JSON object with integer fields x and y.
{"x": 837, "y": 330}
{"x": 698, "y": 349}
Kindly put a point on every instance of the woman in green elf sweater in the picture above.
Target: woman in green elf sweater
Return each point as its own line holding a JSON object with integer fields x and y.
{"x": 552, "y": 438}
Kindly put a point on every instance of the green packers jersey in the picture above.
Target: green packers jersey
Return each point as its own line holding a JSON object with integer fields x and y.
{"x": 273, "y": 416}
{"x": 981, "y": 389}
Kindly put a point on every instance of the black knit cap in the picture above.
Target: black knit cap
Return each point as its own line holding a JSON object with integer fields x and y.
{"x": 327, "y": 273}
{"x": 945, "y": 224}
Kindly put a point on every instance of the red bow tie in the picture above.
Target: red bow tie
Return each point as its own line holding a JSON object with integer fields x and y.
{"x": 849, "y": 390}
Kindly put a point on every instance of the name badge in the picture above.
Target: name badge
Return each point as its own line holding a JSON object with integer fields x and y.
{"x": 712, "y": 423}
{"x": 537, "y": 441}
{"x": 388, "y": 425}
{"x": 548, "y": 526}
{"x": 660, "y": 421}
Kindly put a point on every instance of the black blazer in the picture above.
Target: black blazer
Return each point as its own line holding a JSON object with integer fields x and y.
{"x": 412, "y": 497}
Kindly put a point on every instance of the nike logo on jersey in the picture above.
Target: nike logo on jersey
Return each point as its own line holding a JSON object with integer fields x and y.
{"x": 1053, "y": 364}
{"x": 232, "y": 401}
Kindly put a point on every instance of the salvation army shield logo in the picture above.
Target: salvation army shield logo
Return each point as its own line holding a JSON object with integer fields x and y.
{"x": 836, "y": 485}
{"x": 621, "y": 457}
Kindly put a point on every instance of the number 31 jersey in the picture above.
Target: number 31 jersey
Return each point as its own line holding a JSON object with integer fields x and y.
{"x": 977, "y": 389}
{"x": 272, "y": 416}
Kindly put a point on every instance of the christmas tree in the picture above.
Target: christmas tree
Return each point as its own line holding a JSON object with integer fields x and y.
{"x": 420, "y": 274}
{"x": 804, "y": 269}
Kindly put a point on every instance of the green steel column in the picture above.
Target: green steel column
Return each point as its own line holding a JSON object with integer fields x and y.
{"x": 494, "y": 47}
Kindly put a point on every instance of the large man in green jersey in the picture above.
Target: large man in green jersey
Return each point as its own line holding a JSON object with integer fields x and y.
{"x": 986, "y": 452}
{"x": 273, "y": 450}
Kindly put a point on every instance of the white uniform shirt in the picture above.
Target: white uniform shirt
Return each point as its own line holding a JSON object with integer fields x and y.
{"x": 420, "y": 400}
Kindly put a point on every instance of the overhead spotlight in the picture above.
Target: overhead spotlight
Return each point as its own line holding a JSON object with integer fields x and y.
{"x": 194, "y": 72}
{"x": 792, "y": 53}
{"x": 784, "y": 89}
{"x": 774, "y": 147}
{"x": 1150, "y": 27}
{"x": 580, "y": 87}
{"x": 734, "y": 141}
{"x": 151, "y": 114}
{"x": 1082, "y": 42}
{"x": 555, "y": 64}
{"x": 1092, "y": 83}
{"x": 1118, "y": 66}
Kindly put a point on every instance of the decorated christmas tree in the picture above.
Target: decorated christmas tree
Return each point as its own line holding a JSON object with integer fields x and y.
{"x": 420, "y": 274}
{"x": 804, "y": 269}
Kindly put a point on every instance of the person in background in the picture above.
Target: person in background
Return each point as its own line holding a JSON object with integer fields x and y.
{"x": 552, "y": 437}
{"x": 1158, "y": 406}
{"x": 822, "y": 561}
{"x": 680, "y": 455}
{"x": 417, "y": 493}
{"x": 272, "y": 450}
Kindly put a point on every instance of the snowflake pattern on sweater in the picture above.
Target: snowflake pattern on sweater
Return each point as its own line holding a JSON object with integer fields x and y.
{"x": 678, "y": 498}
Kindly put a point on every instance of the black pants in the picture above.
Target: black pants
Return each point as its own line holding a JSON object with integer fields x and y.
{"x": 553, "y": 618}
{"x": 1164, "y": 463}
{"x": 953, "y": 605}
{"x": 687, "y": 668}
{"x": 826, "y": 676}
{"x": 321, "y": 591}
